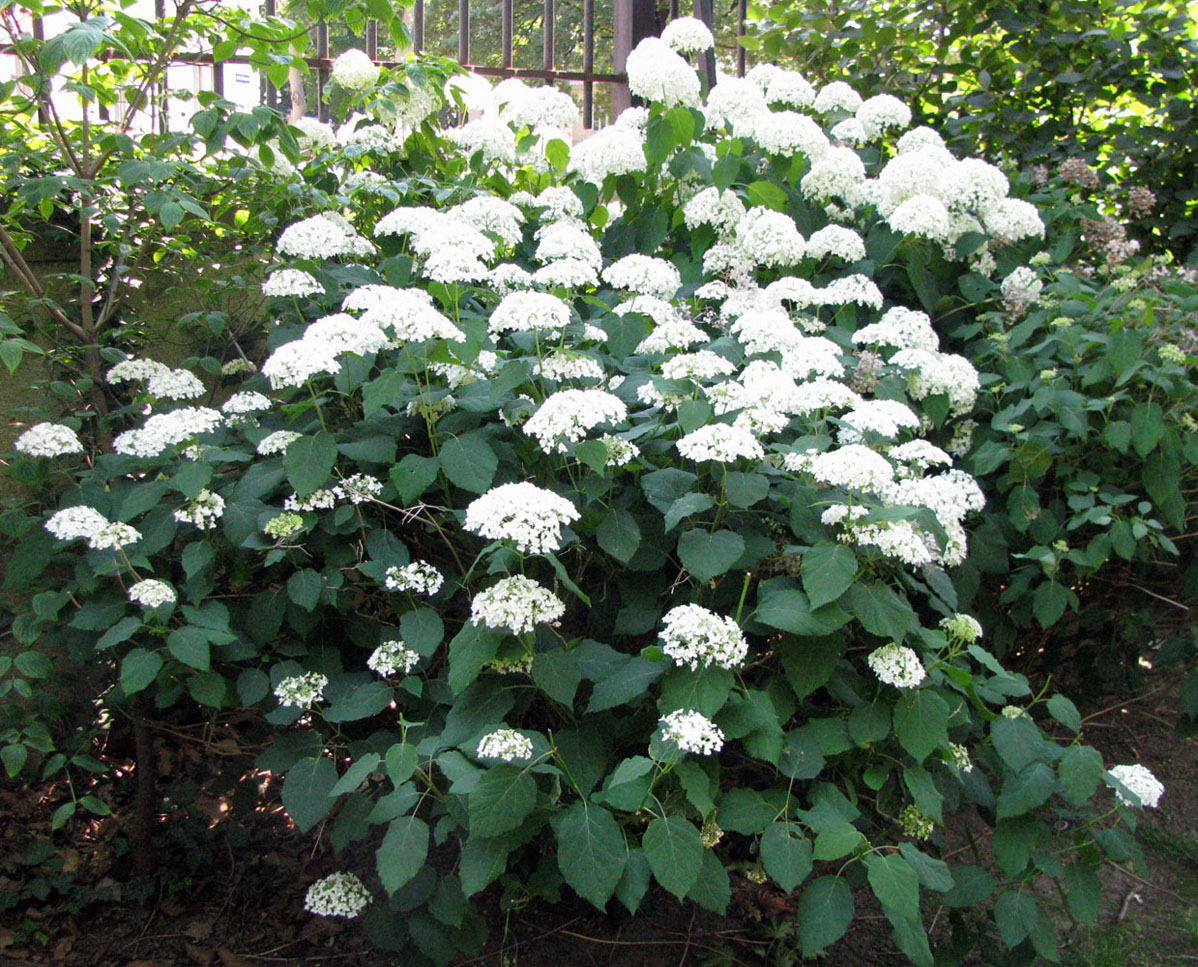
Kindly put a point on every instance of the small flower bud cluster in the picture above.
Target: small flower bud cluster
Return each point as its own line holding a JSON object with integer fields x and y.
{"x": 283, "y": 526}
{"x": 915, "y": 824}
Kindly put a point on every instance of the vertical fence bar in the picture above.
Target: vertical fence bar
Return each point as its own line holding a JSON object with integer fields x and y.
{"x": 588, "y": 63}
{"x": 547, "y": 35}
{"x": 505, "y": 34}
{"x": 464, "y": 31}
{"x": 372, "y": 39}
{"x": 632, "y": 22}
{"x": 418, "y": 27}
{"x": 742, "y": 12}
{"x": 322, "y": 51}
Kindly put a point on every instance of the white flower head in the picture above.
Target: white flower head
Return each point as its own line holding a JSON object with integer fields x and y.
{"x": 277, "y": 442}
{"x": 48, "y": 440}
{"x": 1138, "y": 780}
{"x": 337, "y": 895}
{"x": 71, "y": 523}
{"x": 688, "y": 35}
{"x": 897, "y": 665}
{"x": 354, "y": 70}
{"x": 692, "y": 732}
{"x": 291, "y": 283}
{"x": 524, "y": 513}
{"x": 721, "y": 442}
{"x": 695, "y": 636}
{"x": 301, "y": 690}
{"x": 204, "y": 511}
{"x": 529, "y": 311}
{"x": 506, "y": 744}
{"x": 151, "y": 593}
{"x": 391, "y": 657}
{"x": 517, "y": 604}
{"x": 419, "y": 576}
{"x": 567, "y": 416}
{"x": 657, "y": 73}
{"x": 322, "y": 236}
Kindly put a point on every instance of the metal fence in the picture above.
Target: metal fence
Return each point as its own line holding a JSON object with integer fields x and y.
{"x": 630, "y": 22}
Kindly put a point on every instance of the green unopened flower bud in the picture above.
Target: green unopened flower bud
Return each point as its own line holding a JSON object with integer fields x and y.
{"x": 1170, "y": 353}
{"x": 1048, "y": 374}
{"x": 916, "y": 824}
{"x": 284, "y": 526}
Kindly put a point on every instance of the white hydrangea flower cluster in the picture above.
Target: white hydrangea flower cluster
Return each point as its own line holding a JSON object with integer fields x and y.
{"x": 962, "y": 627}
{"x": 688, "y": 35}
{"x": 303, "y": 690}
{"x": 355, "y": 71}
{"x": 291, "y": 283}
{"x": 392, "y": 657}
{"x": 701, "y": 365}
{"x": 620, "y": 452}
{"x": 137, "y": 368}
{"x": 517, "y": 604}
{"x": 151, "y": 593}
{"x": 535, "y": 107}
{"x": 1020, "y": 289}
{"x": 337, "y": 895}
{"x": 566, "y": 416}
{"x": 419, "y": 576}
{"x": 164, "y": 430}
{"x": 643, "y": 274}
{"x": 360, "y": 488}
{"x": 277, "y": 442}
{"x": 692, "y": 731}
{"x": 506, "y": 744}
{"x": 611, "y": 150}
{"x": 314, "y": 134}
{"x": 562, "y": 366}
{"x": 174, "y": 384}
{"x": 721, "y": 442}
{"x": 959, "y": 755}
{"x": 324, "y": 236}
{"x": 694, "y": 636}
{"x": 402, "y": 315}
{"x": 71, "y": 523}
{"x": 48, "y": 440}
{"x": 296, "y": 362}
{"x": 1138, "y": 780}
{"x": 204, "y": 511}
{"x": 657, "y": 73}
{"x": 246, "y": 402}
{"x": 897, "y": 665}
{"x": 529, "y": 311}
{"x": 323, "y": 499}
{"x": 523, "y": 513}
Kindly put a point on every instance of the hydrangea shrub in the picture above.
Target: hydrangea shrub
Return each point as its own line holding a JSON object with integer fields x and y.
{"x": 591, "y": 525}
